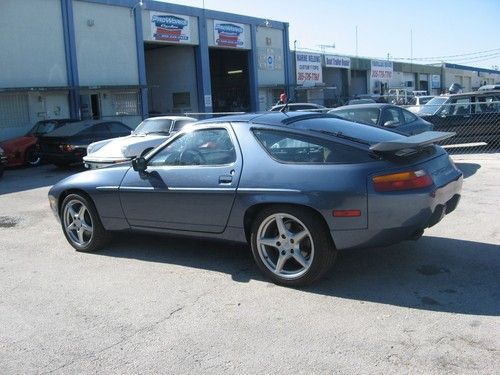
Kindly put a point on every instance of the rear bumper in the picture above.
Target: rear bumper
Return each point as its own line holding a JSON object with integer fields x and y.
{"x": 406, "y": 217}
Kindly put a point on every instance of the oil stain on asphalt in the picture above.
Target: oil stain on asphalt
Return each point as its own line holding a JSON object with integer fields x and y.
{"x": 8, "y": 221}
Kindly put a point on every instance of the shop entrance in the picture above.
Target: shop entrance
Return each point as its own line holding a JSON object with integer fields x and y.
{"x": 171, "y": 78}
{"x": 90, "y": 106}
{"x": 230, "y": 80}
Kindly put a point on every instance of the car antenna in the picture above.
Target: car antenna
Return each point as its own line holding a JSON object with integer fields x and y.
{"x": 285, "y": 107}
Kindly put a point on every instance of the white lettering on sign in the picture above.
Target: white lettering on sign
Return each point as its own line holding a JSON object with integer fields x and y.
{"x": 332, "y": 61}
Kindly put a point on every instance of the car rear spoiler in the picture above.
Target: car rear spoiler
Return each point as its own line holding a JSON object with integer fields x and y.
{"x": 412, "y": 144}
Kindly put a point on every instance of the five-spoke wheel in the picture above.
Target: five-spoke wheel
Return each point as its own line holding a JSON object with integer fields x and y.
{"x": 291, "y": 245}
{"x": 81, "y": 223}
{"x": 77, "y": 222}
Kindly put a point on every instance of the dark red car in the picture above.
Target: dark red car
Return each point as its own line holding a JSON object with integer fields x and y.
{"x": 23, "y": 150}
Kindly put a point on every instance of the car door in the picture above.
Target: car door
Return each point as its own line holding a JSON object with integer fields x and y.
{"x": 392, "y": 118}
{"x": 189, "y": 184}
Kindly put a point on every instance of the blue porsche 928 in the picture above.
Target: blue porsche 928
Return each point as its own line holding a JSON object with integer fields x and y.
{"x": 297, "y": 186}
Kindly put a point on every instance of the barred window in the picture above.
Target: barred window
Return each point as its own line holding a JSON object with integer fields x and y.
{"x": 14, "y": 111}
{"x": 126, "y": 104}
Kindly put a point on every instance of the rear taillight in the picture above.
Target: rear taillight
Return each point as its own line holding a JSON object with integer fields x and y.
{"x": 66, "y": 148}
{"x": 402, "y": 181}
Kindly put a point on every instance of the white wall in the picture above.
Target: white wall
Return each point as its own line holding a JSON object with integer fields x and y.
{"x": 39, "y": 60}
{"x": 270, "y": 45}
{"x": 105, "y": 44}
{"x": 170, "y": 69}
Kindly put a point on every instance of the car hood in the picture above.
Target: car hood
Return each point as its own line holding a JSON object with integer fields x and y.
{"x": 129, "y": 146}
{"x": 15, "y": 143}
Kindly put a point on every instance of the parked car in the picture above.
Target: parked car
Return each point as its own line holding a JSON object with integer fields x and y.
{"x": 68, "y": 144}
{"x": 24, "y": 150}
{"x": 297, "y": 186}
{"x": 148, "y": 134}
{"x": 455, "y": 88}
{"x": 420, "y": 93}
{"x": 415, "y": 103}
{"x": 360, "y": 101}
{"x": 3, "y": 161}
{"x": 473, "y": 116}
{"x": 399, "y": 96}
{"x": 299, "y": 107}
{"x": 385, "y": 115}
{"x": 489, "y": 87}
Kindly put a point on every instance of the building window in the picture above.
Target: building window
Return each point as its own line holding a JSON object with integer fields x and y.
{"x": 126, "y": 104}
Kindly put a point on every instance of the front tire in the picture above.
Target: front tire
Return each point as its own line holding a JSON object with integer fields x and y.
{"x": 32, "y": 157}
{"x": 292, "y": 246}
{"x": 81, "y": 224}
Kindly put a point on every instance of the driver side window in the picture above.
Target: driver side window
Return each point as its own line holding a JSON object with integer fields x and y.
{"x": 199, "y": 147}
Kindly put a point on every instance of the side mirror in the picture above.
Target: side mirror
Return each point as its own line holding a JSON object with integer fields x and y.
{"x": 139, "y": 164}
{"x": 391, "y": 124}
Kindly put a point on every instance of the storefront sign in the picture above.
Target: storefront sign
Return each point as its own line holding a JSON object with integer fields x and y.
{"x": 228, "y": 34}
{"x": 308, "y": 67}
{"x": 170, "y": 27}
{"x": 332, "y": 61}
{"x": 435, "y": 81}
{"x": 382, "y": 69}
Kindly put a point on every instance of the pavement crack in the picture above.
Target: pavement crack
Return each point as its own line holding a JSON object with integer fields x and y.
{"x": 147, "y": 328}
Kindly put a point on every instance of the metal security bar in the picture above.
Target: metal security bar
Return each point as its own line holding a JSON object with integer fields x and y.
{"x": 476, "y": 124}
{"x": 14, "y": 111}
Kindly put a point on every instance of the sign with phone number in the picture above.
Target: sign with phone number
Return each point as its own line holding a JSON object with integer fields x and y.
{"x": 309, "y": 70}
{"x": 382, "y": 69}
{"x": 382, "y": 74}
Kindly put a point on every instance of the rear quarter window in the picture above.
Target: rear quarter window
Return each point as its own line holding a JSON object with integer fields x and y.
{"x": 299, "y": 149}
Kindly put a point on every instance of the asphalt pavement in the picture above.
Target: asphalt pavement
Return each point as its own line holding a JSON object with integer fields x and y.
{"x": 154, "y": 304}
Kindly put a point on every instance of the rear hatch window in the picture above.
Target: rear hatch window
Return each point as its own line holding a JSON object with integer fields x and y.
{"x": 366, "y": 133}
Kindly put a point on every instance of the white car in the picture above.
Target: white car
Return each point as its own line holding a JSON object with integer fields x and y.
{"x": 148, "y": 134}
{"x": 417, "y": 102}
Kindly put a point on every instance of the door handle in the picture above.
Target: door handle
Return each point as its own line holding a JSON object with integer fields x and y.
{"x": 225, "y": 179}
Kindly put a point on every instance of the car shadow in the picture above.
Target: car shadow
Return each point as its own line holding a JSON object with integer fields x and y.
{"x": 27, "y": 178}
{"x": 468, "y": 169}
{"x": 438, "y": 274}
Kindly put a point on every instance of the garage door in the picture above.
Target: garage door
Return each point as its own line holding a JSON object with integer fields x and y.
{"x": 14, "y": 111}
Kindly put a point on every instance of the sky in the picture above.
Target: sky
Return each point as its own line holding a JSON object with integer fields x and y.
{"x": 454, "y": 31}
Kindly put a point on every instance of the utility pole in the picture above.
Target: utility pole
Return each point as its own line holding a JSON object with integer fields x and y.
{"x": 356, "y": 40}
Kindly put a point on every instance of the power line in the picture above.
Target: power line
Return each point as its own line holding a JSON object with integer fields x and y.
{"x": 447, "y": 57}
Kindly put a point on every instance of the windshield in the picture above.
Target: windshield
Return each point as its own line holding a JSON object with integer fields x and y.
{"x": 432, "y": 106}
{"x": 42, "y": 128}
{"x": 153, "y": 125}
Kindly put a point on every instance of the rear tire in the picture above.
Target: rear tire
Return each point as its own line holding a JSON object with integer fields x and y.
{"x": 292, "y": 246}
{"x": 81, "y": 224}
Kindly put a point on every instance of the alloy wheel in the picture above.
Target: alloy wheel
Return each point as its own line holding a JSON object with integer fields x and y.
{"x": 285, "y": 245}
{"x": 78, "y": 223}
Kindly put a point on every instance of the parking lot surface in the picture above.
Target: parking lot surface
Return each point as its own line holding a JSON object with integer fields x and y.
{"x": 151, "y": 304}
